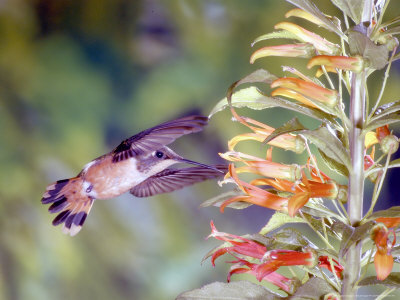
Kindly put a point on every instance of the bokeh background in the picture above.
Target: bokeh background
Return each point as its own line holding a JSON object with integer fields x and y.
{"x": 77, "y": 77}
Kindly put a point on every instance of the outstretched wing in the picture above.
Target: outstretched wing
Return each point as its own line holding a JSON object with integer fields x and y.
{"x": 157, "y": 137}
{"x": 170, "y": 180}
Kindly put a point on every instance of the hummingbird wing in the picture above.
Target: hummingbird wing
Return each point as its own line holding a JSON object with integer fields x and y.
{"x": 170, "y": 180}
{"x": 157, "y": 137}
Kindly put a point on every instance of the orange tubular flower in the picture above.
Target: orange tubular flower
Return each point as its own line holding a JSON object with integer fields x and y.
{"x": 304, "y": 50}
{"x": 389, "y": 222}
{"x": 302, "y": 191}
{"x": 383, "y": 259}
{"x": 254, "y": 195}
{"x": 272, "y": 170}
{"x": 269, "y": 261}
{"x": 306, "y": 36}
{"x": 354, "y": 64}
{"x": 308, "y": 89}
{"x": 285, "y": 141}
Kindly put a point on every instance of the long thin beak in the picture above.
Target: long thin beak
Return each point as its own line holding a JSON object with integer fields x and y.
{"x": 183, "y": 160}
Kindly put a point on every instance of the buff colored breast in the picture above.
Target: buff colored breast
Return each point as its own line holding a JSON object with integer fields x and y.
{"x": 112, "y": 179}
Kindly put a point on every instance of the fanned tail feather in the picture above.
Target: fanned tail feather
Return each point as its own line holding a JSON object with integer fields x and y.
{"x": 68, "y": 199}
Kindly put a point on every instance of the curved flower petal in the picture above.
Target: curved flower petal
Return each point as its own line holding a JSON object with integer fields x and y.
{"x": 304, "y": 50}
{"x": 383, "y": 265}
{"x": 308, "y": 89}
{"x": 306, "y": 36}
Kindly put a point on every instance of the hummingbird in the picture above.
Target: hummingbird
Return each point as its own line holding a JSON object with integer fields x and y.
{"x": 139, "y": 164}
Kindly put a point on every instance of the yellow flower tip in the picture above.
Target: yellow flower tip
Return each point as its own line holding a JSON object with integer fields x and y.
{"x": 321, "y": 72}
{"x": 354, "y": 64}
{"x": 304, "y": 50}
{"x": 292, "y": 95}
{"x": 298, "y": 12}
{"x": 306, "y": 36}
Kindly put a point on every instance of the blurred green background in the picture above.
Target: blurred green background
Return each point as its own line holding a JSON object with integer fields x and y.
{"x": 77, "y": 77}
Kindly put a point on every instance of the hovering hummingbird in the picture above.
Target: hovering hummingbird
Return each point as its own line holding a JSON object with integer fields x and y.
{"x": 138, "y": 165}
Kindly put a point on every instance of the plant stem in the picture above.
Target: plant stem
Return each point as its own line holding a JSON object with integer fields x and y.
{"x": 356, "y": 182}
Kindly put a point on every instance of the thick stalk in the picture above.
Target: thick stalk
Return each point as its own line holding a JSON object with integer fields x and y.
{"x": 356, "y": 182}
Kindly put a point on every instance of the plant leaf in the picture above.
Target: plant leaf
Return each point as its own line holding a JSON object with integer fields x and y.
{"x": 283, "y": 34}
{"x": 291, "y": 126}
{"x": 233, "y": 290}
{"x": 385, "y": 114}
{"x": 392, "y": 281}
{"x": 310, "y": 7}
{"x": 253, "y": 98}
{"x": 326, "y": 141}
{"x": 277, "y": 220}
{"x": 360, "y": 44}
{"x": 334, "y": 165}
{"x": 315, "y": 288}
{"x": 290, "y": 237}
{"x": 393, "y": 212}
{"x": 387, "y": 108}
{"x": 358, "y": 234}
{"x": 353, "y": 8}
{"x": 248, "y": 97}
{"x": 218, "y": 200}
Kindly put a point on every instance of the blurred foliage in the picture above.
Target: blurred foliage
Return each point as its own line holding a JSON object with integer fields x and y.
{"x": 77, "y": 77}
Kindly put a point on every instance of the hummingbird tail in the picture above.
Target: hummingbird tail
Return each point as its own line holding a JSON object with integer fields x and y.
{"x": 68, "y": 199}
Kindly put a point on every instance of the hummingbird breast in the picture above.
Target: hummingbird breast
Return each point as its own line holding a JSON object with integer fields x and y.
{"x": 106, "y": 179}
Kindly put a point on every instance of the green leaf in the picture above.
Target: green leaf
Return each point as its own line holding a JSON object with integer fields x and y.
{"x": 218, "y": 200}
{"x": 334, "y": 165}
{"x": 310, "y": 7}
{"x": 315, "y": 288}
{"x": 353, "y": 9}
{"x": 360, "y": 44}
{"x": 253, "y": 98}
{"x": 232, "y": 290}
{"x": 249, "y": 97}
{"x": 385, "y": 114}
{"x": 382, "y": 121}
{"x": 392, "y": 31}
{"x": 326, "y": 141}
{"x": 277, "y": 220}
{"x": 283, "y": 34}
{"x": 392, "y": 281}
{"x": 286, "y": 237}
{"x": 387, "y": 108}
{"x": 289, "y": 127}
{"x": 358, "y": 233}
{"x": 393, "y": 212}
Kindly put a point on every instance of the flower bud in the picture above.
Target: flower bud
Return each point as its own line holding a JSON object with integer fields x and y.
{"x": 390, "y": 144}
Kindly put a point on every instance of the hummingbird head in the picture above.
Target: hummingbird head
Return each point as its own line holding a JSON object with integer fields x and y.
{"x": 164, "y": 157}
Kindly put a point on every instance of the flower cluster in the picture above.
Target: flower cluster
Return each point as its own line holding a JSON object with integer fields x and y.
{"x": 251, "y": 257}
{"x": 347, "y": 141}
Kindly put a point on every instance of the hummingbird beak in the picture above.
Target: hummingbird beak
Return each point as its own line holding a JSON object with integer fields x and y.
{"x": 183, "y": 160}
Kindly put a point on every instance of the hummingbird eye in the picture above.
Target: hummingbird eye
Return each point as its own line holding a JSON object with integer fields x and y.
{"x": 159, "y": 154}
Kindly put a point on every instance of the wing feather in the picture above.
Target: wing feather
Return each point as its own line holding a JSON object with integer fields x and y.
{"x": 170, "y": 180}
{"x": 157, "y": 137}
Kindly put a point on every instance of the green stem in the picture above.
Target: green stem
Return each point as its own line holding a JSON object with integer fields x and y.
{"x": 356, "y": 182}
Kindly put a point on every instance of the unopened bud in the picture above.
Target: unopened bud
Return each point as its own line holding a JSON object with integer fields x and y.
{"x": 389, "y": 144}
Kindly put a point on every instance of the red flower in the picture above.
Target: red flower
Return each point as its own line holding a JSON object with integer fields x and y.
{"x": 324, "y": 263}
{"x": 269, "y": 261}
